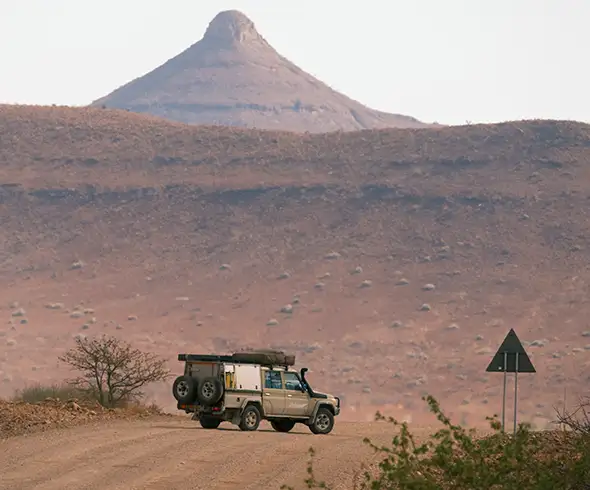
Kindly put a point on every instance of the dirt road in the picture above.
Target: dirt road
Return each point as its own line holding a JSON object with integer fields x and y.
{"x": 176, "y": 453}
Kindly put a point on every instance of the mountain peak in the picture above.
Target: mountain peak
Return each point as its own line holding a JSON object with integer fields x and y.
{"x": 234, "y": 77}
{"x": 229, "y": 27}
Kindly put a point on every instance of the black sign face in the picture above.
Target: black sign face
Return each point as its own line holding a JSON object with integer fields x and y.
{"x": 505, "y": 359}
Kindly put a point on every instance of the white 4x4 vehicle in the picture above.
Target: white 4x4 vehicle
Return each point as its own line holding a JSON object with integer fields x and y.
{"x": 247, "y": 387}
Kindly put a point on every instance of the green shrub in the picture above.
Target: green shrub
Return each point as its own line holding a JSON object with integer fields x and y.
{"x": 458, "y": 459}
{"x": 37, "y": 393}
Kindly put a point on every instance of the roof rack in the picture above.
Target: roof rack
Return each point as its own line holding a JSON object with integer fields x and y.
{"x": 204, "y": 358}
{"x": 262, "y": 357}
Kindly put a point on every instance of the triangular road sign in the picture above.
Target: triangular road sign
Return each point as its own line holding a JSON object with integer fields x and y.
{"x": 511, "y": 347}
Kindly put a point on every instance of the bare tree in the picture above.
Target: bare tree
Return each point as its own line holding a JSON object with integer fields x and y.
{"x": 577, "y": 420}
{"x": 111, "y": 371}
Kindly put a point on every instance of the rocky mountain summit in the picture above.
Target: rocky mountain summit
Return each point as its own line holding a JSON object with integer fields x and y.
{"x": 234, "y": 77}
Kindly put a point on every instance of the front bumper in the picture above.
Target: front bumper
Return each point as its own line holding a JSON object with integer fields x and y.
{"x": 337, "y": 408}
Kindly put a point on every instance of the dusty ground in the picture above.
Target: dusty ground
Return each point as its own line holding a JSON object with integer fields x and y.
{"x": 495, "y": 217}
{"x": 175, "y": 453}
{"x": 233, "y": 77}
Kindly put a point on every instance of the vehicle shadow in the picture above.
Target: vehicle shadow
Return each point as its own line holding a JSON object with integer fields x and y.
{"x": 231, "y": 429}
{"x": 228, "y": 429}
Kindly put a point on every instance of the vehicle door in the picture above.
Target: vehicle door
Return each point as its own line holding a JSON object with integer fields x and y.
{"x": 273, "y": 394}
{"x": 297, "y": 400}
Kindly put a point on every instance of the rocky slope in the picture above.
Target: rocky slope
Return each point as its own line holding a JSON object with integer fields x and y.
{"x": 17, "y": 418}
{"x": 234, "y": 77}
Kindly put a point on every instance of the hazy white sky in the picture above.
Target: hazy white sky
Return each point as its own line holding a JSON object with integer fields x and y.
{"x": 448, "y": 61}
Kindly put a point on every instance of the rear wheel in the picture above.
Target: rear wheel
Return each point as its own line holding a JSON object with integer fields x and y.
{"x": 282, "y": 425}
{"x": 323, "y": 423}
{"x": 250, "y": 418}
{"x": 209, "y": 422}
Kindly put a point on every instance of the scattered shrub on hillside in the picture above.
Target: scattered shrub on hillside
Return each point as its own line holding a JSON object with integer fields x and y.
{"x": 112, "y": 372}
{"x": 78, "y": 264}
{"x": 38, "y": 393}
{"x": 19, "y": 312}
{"x": 455, "y": 458}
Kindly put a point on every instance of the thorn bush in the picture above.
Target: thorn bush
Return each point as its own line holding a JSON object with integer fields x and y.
{"x": 460, "y": 459}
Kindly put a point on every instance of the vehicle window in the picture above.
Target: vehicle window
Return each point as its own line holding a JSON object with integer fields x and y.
{"x": 292, "y": 382}
{"x": 272, "y": 380}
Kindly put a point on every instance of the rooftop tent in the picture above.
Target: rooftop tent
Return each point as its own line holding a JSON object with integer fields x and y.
{"x": 265, "y": 357}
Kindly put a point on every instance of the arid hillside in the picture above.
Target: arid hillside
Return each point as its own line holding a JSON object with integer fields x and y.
{"x": 393, "y": 262}
{"x": 234, "y": 77}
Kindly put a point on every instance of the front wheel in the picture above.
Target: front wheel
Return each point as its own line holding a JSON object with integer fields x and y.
{"x": 323, "y": 423}
{"x": 209, "y": 422}
{"x": 282, "y": 425}
{"x": 250, "y": 418}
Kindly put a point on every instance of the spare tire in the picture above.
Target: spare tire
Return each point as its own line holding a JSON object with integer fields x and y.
{"x": 184, "y": 389}
{"x": 210, "y": 391}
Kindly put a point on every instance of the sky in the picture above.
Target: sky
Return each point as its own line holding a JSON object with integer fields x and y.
{"x": 445, "y": 61}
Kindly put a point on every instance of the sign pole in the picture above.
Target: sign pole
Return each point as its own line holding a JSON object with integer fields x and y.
{"x": 504, "y": 391}
{"x": 515, "y": 393}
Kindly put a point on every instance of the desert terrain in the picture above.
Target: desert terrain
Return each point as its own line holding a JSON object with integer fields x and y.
{"x": 59, "y": 444}
{"x": 234, "y": 77}
{"x": 392, "y": 262}
{"x": 170, "y": 453}
{"x": 227, "y": 200}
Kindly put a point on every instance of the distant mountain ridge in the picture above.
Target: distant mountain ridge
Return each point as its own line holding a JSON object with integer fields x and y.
{"x": 234, "y": 77}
